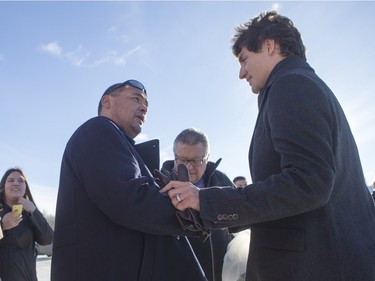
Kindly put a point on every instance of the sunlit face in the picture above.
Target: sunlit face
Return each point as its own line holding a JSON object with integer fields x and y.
{"x": 255, "y": 67}
{"x": 128, "y": 109}
{"x": 194, "y": 157}
{"x": 15, "y": 187}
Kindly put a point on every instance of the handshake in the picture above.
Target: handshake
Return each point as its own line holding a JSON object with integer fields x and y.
{"x": 189, "y": 219}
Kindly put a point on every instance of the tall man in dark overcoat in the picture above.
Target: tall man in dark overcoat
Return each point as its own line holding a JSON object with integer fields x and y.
{"x": 112, "y": 223}
{"x": 309, "y": 210}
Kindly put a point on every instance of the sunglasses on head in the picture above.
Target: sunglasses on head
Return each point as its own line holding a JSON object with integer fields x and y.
{"x": 135, "y": 84}
{"x": 131, "y": 82}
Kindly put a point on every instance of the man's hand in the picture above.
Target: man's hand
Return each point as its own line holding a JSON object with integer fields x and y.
{"x": 183, "y": 195}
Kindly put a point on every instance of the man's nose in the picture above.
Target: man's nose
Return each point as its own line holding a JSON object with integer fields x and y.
{"x": 242, "y": 73}
{"x": 188, "y": 165}
{"x": 144, "y": 108}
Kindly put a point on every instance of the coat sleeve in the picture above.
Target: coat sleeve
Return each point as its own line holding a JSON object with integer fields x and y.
{"x": 293, "y": 159}
{"x": 42, "y": 230}
{"x": 104, "y": 163}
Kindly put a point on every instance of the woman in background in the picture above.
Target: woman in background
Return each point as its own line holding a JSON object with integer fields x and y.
{"x": 20, "y": 230}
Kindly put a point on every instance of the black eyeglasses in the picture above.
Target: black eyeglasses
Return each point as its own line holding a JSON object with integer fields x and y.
{"x": 193, "y": 162}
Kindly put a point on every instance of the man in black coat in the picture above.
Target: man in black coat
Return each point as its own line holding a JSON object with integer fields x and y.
{"x": 311, "y": 215}
{"x": 191, "y": 148}
{"x": 112, "y": 223}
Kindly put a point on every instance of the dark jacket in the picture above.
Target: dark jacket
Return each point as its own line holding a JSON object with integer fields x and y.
{"x": 17, "y": 247}
{"x": 311, "y": 215}
{"x": 213, "y": 248}
{"x": 112, "y": 224}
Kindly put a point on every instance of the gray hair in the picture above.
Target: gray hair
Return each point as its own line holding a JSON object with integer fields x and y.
{"x": 192, "y": 136}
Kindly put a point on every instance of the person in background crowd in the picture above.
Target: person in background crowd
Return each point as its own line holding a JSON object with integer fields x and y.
{"x": 21, "y": 229}
{"x": 309, "y": 209}
{"x": 240, "y": 181}
{"x": 112, "y": 223}
{"x": 191, "y": 148}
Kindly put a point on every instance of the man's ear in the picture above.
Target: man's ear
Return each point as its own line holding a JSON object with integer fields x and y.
{"x": 106, "y": 101}
{"x": 270, "y": 45}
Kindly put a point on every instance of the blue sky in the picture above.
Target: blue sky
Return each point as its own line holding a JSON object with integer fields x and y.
{"x": 57, "y": 58}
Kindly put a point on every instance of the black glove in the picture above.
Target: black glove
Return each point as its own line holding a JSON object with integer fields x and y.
{"x": 163, "y": 177}
{"x": 190, "y": 219}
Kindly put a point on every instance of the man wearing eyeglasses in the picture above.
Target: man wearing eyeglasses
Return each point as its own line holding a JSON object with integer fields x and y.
{"x": 112, "y": 223}
{"x": 191, "y": 148}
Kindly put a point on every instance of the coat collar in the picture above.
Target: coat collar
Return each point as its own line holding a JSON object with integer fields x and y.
{"x": 132, "y": 141}
{"x": 290, "y": 64}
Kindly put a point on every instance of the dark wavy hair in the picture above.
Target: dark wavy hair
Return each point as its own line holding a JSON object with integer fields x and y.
{"x": 269, "y": 25}
{"x": 4, "y": 178}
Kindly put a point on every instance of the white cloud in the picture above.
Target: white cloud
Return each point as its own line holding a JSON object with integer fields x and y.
{"x": 79, "y": 56}
{"x": 120, "y": 59}
{"x": 107, "y": 58}
{"x": 52, "y": 48}
{"x": 114, "y": 32}
{"x": 76, "y": 57}
{"x": 115, "y": 57}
